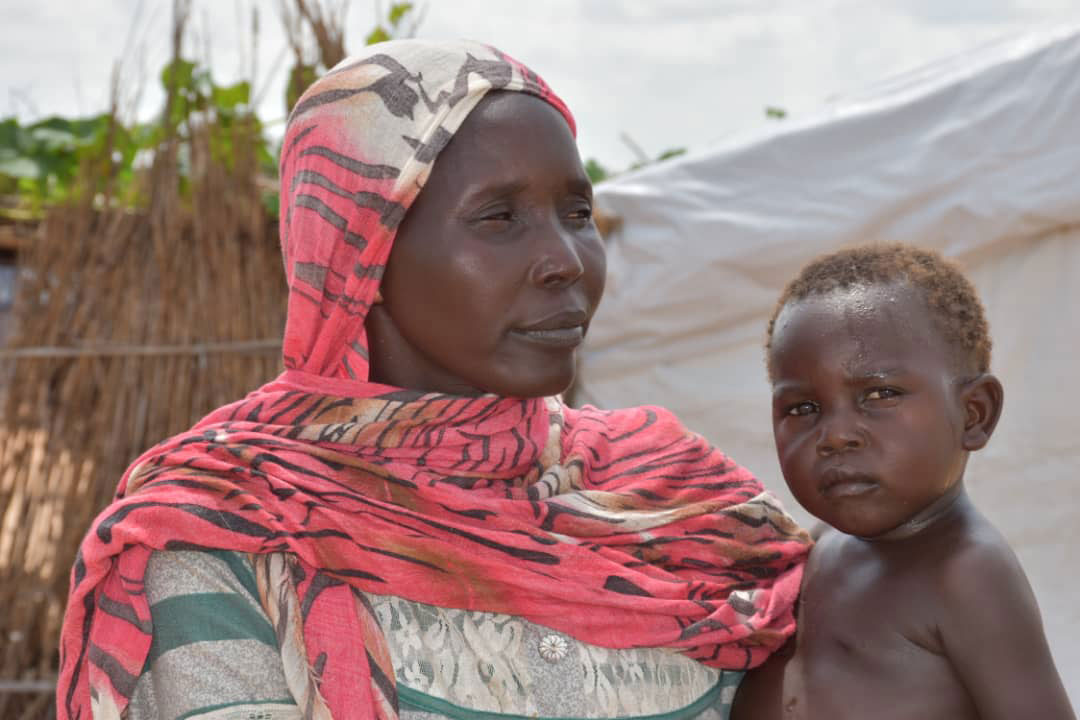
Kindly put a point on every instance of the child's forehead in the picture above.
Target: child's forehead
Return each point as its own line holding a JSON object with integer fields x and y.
{"x": 878, "y": 319}
{"x": 877, "y": 303}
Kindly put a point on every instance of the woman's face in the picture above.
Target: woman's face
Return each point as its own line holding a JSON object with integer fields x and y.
{"x": 498, "y": 267}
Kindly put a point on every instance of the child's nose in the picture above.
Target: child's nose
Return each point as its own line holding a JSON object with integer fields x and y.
{"x": 840, "y": 433}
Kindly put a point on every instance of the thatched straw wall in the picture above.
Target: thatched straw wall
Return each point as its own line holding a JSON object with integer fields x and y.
{"x": 128, "y": 327}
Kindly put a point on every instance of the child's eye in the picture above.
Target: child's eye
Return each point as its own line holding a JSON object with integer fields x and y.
{"x": 501, "y": 216}
{"x": 803, "y": 408}
{"x": 882, "y": 394}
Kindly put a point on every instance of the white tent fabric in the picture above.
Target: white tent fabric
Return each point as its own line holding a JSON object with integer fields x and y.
{"x": 977, "y": 156}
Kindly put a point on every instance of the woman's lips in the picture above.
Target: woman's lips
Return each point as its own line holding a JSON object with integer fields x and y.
{"x": 843, "y": 483}
{"x": 565, "y": 329}
{"x": 555, "y": 337}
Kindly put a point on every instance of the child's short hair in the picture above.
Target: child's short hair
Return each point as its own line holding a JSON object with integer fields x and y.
{"x": 949, "y": 295}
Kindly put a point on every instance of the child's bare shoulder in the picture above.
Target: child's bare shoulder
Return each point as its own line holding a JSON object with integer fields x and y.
{"x": 941, "y": 573}
{"x": 985, "y": 594}
{"x": 980, "y": 567}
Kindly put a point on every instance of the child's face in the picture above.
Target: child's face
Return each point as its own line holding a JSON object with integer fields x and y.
{"x": 867, "y": 411}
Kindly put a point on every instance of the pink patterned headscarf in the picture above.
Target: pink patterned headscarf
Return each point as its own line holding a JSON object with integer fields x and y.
{"x": 620, "y": 528}
{"x": 359, "y": 147}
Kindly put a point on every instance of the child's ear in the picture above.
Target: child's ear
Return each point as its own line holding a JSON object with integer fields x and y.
{"x": 982, "y": 399}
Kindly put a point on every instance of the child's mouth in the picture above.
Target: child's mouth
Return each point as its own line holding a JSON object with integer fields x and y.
{"x": 843, "y": 483}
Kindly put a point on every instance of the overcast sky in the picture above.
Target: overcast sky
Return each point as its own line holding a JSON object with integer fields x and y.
{"x": 663, "y": 73}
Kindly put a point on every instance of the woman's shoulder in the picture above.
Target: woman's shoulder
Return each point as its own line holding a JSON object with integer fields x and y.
{"x": 649, "y": 435}
{"x": 652, "y": 412}
{"x": 212, "y": 642}
{"x": 171, "y": 573}
{"x": 649, "y": 423}
{"x": 205, "y": 596}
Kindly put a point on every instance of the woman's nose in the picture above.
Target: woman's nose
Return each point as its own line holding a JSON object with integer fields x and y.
{"x": 558, "y": 261}
{"x": 840, "y": 434}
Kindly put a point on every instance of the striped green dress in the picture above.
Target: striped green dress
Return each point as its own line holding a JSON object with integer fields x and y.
{"x": 215, "y": 657}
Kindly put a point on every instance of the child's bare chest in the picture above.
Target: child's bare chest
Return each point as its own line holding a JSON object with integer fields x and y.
{"x": 868, "y": 643}
{"x": 866, "y": 614}
{"x": 867, "y": 646}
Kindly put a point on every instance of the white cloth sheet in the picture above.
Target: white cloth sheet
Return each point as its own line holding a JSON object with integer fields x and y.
{"x": 977, "y": 156}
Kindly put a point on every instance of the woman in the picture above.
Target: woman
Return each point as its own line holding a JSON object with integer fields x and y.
{"x": 408, "y": 522}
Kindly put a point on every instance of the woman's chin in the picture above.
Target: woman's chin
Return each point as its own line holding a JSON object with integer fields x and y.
{"x": 542, "y": 382}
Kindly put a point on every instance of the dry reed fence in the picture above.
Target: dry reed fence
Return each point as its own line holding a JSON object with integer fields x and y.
{"x": 129, "y": 326}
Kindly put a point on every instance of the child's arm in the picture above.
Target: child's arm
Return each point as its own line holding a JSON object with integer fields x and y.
{"x": 993, "y": 636}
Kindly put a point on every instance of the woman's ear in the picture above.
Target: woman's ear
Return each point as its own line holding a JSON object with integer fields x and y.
{"x": 982, "y": 399}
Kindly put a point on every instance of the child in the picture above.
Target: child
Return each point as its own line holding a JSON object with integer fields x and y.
{"x": 912, "y": 605}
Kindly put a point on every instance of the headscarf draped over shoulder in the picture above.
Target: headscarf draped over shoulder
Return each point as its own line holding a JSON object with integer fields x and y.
{"x": 620, "y": 528}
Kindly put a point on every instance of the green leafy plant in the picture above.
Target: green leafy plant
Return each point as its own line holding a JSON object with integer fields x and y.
{"x": 596, "y": 171}
{"x": 52, "y": 160}
{"x": 395, "y": 25}
{"x": 40, "y": 162}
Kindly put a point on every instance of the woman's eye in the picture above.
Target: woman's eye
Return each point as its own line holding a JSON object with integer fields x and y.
{"x": 882, "y": 394}
{"x": 581, "y": 214}
{"x": 803, "y": 408}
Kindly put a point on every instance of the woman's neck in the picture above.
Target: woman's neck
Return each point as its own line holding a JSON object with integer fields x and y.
{"x": 393, "y": 360}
